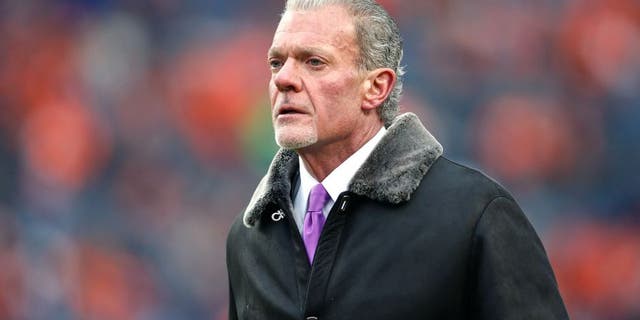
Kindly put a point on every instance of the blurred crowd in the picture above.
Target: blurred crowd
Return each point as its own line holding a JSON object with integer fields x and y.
{"x": 132, "y": 132}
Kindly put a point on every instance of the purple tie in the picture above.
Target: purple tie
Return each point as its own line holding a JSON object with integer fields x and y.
{"x": 314, "y": 219}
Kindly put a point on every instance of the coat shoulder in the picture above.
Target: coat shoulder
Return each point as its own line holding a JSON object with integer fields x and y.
{"x": 234, "y": 232}
{"x": 458, "y": 191}
{"x": 458, "y": 179}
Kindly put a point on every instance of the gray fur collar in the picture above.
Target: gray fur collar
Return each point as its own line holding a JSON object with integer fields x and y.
{"x": 390, "y": 174}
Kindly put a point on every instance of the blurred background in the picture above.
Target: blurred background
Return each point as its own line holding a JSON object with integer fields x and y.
{"x": 133, "y": 132}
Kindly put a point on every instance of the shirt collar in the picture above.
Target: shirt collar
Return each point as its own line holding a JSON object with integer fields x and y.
{"x": 338, "y": 180}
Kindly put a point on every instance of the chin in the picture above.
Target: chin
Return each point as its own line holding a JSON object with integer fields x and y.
{"x": 295, "y": 140}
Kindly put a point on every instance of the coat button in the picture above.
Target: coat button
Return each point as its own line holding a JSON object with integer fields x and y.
{"x": 312, "y": 318}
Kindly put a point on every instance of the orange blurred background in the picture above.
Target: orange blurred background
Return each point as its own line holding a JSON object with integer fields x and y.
{"x": 133, "y": 132}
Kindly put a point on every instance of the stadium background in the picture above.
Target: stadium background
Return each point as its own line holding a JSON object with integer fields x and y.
{"x": 133, "y": 132}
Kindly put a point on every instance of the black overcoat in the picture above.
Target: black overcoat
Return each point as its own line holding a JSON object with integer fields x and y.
{"x": 416, "y": 236}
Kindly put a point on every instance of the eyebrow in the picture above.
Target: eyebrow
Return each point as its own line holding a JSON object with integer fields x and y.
{"x": 300, "y": 51}
{"x": 274, "y": 52}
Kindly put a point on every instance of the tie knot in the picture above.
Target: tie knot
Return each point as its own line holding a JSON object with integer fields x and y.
{"x": 317, "y": 198}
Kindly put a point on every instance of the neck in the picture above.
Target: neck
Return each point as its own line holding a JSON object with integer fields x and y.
{"x": 320, "y": 161}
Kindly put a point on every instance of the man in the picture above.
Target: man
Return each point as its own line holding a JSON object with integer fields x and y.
{"x": 359, "y": 215}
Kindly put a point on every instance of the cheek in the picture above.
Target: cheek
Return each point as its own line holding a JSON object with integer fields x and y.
{"x": 343, "y": 94}
{"x": 341, "y": 107}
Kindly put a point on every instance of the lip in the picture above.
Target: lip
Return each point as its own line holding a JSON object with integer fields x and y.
{"x": 289, "y": 110}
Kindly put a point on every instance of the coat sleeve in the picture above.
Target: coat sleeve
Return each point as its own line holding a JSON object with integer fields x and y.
{"x": 512, "y": 277}
{"x": 233, "y": 314}
{"x": 232, "y": 311}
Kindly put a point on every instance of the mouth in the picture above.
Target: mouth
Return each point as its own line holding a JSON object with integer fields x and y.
{"x": 287, "y": 109}
{"x": 288, "y": 112}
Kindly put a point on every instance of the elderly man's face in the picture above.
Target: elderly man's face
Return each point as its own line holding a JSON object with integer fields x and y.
{"x": 315, "y": 88}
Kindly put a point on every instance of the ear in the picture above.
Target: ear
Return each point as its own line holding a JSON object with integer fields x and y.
{"x": 377, "y": 87}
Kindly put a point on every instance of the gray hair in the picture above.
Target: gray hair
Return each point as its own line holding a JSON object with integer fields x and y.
{"x": 379, "y": 41}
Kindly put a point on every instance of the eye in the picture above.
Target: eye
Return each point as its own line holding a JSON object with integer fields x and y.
{"x": 315, "y": 62}
{"x": 275, "y": 64}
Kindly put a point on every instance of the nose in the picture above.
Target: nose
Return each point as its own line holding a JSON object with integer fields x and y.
{"x": 287, "y": 78}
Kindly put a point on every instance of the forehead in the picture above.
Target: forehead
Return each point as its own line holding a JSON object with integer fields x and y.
{"x": 329, "y": 26}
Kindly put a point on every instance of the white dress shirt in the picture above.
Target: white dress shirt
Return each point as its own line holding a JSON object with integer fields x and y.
{"x": 335, "y": 183}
